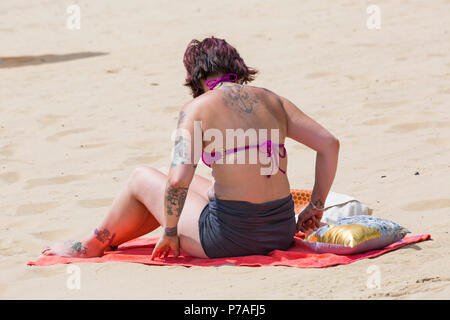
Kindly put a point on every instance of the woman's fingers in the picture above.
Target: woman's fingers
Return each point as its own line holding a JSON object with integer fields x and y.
{"x": 316, "y": 222}
{"x": 160, "y": 253}
{"x": 304, "y": 224}
{"x": 300, "y": 226}
{"x": 309, "y": 223}
{"x": 156, "y": 252}
{"x": 153, "y": 256}
{"x": 163, "y": 248}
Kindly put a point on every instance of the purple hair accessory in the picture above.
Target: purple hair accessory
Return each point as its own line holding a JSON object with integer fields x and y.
{"x": 211, "y": 83}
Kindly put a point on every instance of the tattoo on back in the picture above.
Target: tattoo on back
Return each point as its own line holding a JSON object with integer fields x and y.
{"x": 174, "y": 198}
{"x": 239, "y": 97}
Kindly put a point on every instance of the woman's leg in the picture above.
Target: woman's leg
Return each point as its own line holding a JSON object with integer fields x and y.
{"x": 137, "y": 210}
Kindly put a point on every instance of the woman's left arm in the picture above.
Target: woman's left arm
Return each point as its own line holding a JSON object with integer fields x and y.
{"x": 181, "y": 173}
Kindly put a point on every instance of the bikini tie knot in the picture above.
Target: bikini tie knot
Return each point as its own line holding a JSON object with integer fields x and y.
{"x": 267, "y": 145}
{"x": 231, "y": 77}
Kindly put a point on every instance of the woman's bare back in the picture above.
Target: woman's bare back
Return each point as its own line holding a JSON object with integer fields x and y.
{"x": 254, "y": 115}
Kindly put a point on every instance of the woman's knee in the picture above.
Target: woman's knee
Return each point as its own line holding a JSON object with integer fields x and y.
{"x": 164, "y": 169}
{"x": 142, "y": 176}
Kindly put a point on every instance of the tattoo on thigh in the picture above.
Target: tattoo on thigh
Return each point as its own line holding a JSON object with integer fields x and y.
{"x": 174, "y": 198}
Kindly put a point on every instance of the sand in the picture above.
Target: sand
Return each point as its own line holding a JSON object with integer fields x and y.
{"x": 80, "y": 109}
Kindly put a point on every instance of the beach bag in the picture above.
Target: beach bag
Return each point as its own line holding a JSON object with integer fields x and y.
{"x": 337, "y": 205}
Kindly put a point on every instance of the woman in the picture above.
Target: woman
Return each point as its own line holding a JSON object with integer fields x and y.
{"x": 242, "y": 211}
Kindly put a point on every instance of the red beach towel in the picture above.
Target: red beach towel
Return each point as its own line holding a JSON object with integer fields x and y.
{"x": 298, "y": 255}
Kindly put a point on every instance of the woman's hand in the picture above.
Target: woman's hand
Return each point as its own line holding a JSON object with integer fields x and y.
{"x": 309, "y": 220}
{"x": 164, "y": 245}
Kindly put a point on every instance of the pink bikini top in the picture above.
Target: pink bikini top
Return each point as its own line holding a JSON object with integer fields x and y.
{"x": 267, "y": 147}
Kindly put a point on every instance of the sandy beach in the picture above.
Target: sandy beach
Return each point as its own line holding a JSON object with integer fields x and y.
{"x": 81, "y": 108}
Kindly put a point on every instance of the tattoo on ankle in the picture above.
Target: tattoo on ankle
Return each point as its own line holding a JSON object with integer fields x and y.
{"x": 78, "y": 247}
{"x": 104, "y": 235}
{"x": 171, "y": 232}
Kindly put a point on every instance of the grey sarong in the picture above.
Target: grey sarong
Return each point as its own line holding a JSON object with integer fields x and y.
{"x": 230, "y": 228}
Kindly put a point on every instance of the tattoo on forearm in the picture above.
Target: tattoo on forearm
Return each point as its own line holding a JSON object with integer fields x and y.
{"x": 104, "y": 235}
{"x": 174, "y": 198}
{"x": 171, "y": 232}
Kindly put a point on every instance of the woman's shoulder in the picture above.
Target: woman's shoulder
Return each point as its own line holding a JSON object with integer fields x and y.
{"x": 262, "y": 89}
{"x": 269, "y": 94}
{"x": 201, "y": 107}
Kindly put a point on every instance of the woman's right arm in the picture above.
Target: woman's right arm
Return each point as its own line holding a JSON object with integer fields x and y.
{"x": 305, "y": 130}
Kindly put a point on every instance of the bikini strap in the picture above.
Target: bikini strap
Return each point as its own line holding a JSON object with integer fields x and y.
{"x": 209, "y": 158}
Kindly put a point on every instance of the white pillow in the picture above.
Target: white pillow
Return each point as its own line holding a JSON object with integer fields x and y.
{"x": 338, "y": 206}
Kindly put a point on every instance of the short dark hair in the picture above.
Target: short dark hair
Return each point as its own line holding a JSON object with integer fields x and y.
{"x": 213, "y": 56}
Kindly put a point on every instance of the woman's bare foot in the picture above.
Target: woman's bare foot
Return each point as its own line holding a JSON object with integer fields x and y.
{"x": 93, "y": 245}
{"x": 76, "y": 249}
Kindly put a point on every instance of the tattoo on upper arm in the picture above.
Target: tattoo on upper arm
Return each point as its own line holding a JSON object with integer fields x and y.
{"x": 240, "y": 97}
{"x": 182, "y": 148}
{"x": 181, "y": 118}
{"x": 180, "y": 153}
{"x": 174, "y": 198}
